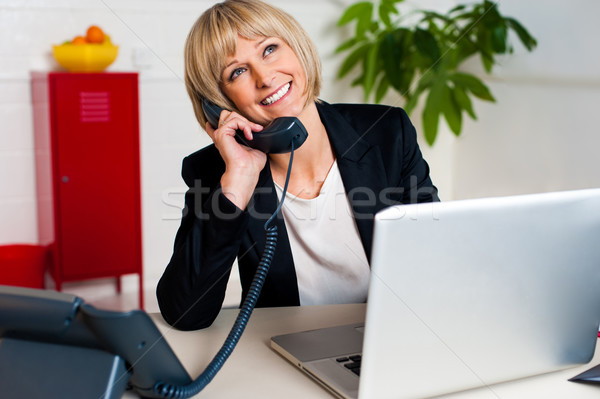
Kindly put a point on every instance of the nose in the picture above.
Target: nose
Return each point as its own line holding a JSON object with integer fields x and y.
{"x": 263, "y": 75}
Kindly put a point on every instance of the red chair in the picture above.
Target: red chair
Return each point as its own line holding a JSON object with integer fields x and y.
{"x": 23, "y": 265}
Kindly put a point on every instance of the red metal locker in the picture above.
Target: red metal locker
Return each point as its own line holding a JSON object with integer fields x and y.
{"x": 88, "y": 178}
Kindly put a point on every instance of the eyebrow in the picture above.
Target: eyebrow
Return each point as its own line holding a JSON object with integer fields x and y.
{"x": 258, "y": 44}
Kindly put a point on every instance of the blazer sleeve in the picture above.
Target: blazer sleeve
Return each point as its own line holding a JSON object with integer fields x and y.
{"x": 415, "y": 173}
{"x": 192, "y": 288}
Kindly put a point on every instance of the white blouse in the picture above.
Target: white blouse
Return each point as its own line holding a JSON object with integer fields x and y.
{"x": 331, "y": 265}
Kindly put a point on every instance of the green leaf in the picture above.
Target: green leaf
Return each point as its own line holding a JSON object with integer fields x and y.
{"x": 473, "y": 84}
{"x": 489, "y": 11}
{"x": 425, "y": 82}
{"x": 348, "y": 44}
{"x": 353, "y": 58}
{"x": 407, "y": 77}
{"x": 356, "y": 11}
{"x": 432, "y": 110}
{"x": 466, "y": 15}
{"x": 364, "y": 24}
{"x": 396, "y": 58}
{"x": 370, "y": 66}
{"x": 498, "y": 39}
{"x": 411, "y": 102}
{"x": 464, "y": 101}
{"x": 427, "y": 44}
{"x": 363, "y": 13}
{"x": 465, "y": 47}
{"x": 382, "y": 88}
{"x": 432, "y": 15}
{"x": 487, "y": 62}
{"x": 484, "y": 43}
{"x": 391, "y": 53}
{"x": 358, "y": 81}
{"x": 374, "y": 28}
{"x": 459, "y": 7}
{"x": 528, "y": 41}
{"x": 450, "y": 110}
{"x": 386, "y": 8}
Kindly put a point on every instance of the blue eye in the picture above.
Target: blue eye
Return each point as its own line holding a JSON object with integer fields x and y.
{"x": 269, "y": 49}
{"x": 236, "y": 72}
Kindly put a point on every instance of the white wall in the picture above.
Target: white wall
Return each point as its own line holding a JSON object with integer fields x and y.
{"x": 541, "y": 135}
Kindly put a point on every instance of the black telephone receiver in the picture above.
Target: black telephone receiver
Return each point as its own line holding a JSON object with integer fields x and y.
{"x": 275, "y": 138}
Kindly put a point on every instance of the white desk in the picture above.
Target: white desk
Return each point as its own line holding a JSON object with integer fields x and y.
{"x": 254, "y": 370}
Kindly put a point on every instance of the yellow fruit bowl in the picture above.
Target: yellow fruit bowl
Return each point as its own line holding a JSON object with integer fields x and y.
{"x": 85, "y": 57}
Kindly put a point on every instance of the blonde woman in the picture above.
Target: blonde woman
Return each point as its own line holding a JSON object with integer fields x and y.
{"x": 257, "y": 63}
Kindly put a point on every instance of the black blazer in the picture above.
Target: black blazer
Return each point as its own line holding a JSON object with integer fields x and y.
{"x": 380, "y": 164}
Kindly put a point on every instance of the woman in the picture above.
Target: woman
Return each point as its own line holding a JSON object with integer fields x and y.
{"x": 257, "y": 63}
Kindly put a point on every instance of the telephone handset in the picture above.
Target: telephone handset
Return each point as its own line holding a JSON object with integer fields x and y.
{"x": 275, "y": 138}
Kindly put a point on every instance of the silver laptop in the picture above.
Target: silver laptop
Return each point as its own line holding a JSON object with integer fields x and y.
{"x": 465, "y": 294}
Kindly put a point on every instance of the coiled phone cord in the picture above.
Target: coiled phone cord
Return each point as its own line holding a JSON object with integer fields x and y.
{"x": 166, "y": 390}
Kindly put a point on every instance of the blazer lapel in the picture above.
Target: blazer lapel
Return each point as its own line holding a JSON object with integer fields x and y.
{"x": 262, "y": 205}
{"x": 362, "y": 170}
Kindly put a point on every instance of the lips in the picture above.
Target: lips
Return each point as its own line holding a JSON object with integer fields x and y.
{"x": 280, "y": 93}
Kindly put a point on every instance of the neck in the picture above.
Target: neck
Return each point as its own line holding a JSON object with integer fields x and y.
{"x": 312, "y": 160}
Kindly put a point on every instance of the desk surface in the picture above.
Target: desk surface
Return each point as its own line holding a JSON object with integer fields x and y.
{"x": 254, "y": 370}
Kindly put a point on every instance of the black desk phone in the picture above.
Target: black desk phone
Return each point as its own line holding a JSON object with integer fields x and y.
{"x": 104, "y": 351}
{"x": 275, "y": 138}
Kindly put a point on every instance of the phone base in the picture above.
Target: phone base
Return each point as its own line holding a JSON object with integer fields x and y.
{"x": 31, "y": 369}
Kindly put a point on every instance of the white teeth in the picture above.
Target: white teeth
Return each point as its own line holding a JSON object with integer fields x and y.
{"x": 276, "y": 96}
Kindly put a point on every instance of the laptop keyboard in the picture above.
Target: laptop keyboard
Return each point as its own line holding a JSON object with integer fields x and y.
{"x": 352, "y": 363}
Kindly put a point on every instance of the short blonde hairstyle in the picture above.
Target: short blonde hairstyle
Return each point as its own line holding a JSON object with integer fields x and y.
{"x": 214, "y": 37}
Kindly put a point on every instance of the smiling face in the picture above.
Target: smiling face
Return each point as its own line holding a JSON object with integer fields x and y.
{"x": 264, "y": 79}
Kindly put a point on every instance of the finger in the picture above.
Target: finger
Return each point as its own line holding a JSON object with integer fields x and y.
{"x": 223, "y": 117}
{"x": 236, "y": 121}
{"x": 250, "y": 129}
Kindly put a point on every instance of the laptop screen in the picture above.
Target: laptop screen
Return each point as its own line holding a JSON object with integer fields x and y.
{"x": 468, "y": 293}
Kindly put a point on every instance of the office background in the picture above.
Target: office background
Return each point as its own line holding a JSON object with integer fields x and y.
{"x": 541, "y": 135}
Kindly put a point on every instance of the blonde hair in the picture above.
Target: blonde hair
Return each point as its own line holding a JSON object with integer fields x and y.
{"x": 214, "y": 36}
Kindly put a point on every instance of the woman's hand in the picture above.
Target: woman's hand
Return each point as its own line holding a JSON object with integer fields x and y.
{"x": 242, "y": 163}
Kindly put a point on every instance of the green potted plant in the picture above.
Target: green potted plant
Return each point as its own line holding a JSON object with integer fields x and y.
{"x": 420, "y": 54}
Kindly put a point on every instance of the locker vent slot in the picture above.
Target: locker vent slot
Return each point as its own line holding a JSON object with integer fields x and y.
{"x": 94, "y": 106}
